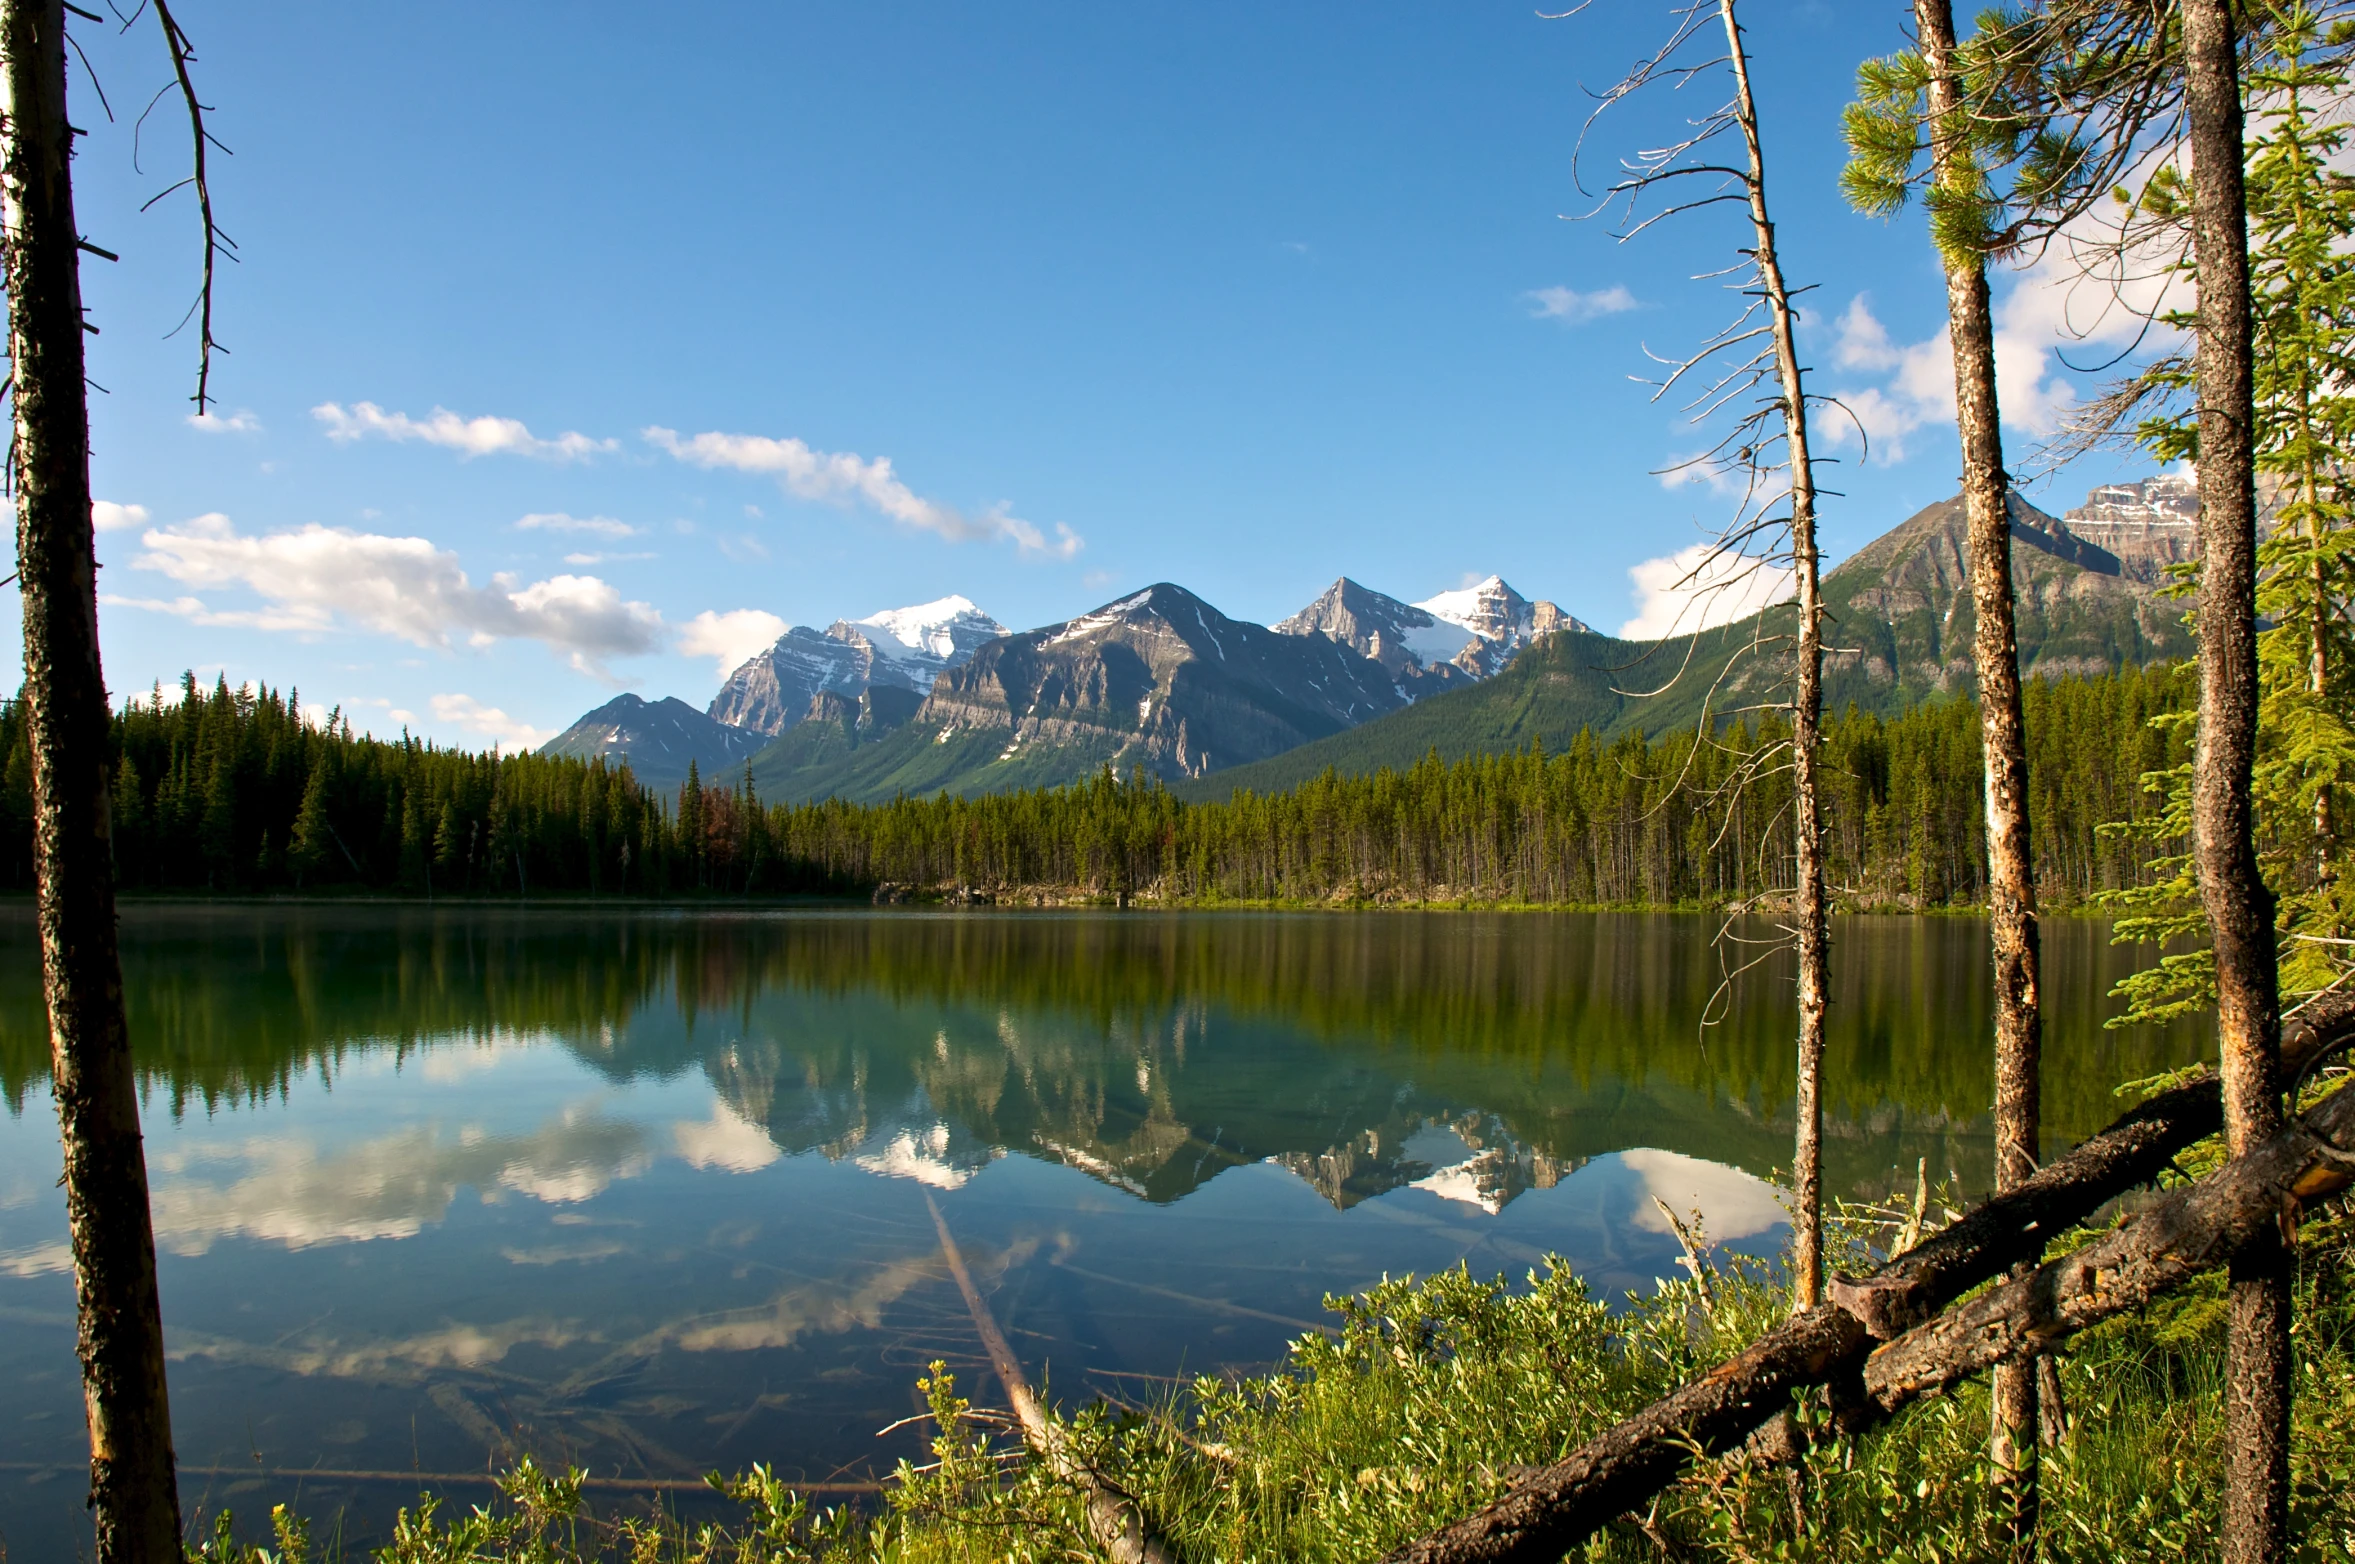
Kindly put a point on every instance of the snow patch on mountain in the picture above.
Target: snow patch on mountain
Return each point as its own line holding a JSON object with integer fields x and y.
{"x": 1439, "y": 641}
{"x": 946, "y": 629}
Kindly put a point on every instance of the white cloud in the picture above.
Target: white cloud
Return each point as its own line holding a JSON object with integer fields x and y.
{"x": 731, "y": 638}
{"x": 464, "y": 711}
{"x": 107, "y": 516}
{"x": 307, "y": 1193}
{"x": 240, "y": 422}
{"x": 1697, "y": 587}
{"x": 1863, "y": 342}
{"x": 469, "y": 437}
{"x": 558, "y": 521}
{"x": 842, "y": 477}
{"x": 1573, "y": 308}
{"x": 2053, "y": 305}
{"x": 600, "y": 559}
{"x": 315, "y": 577}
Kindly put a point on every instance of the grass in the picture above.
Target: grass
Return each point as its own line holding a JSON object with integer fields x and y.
{"x": 1434, "y": 1390}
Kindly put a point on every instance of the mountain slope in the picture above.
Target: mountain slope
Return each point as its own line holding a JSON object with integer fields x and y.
{"x": 1417, "y": 649}
{"x": 656, "y": 738}
{"x": 1902, "y": 624}
{"x": 1159, "y": 680}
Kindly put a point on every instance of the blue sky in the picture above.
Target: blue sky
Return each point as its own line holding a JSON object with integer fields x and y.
{"x": 560, "y": 327}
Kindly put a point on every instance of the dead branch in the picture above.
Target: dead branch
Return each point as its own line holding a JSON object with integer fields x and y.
{"x": 216, "y": 243}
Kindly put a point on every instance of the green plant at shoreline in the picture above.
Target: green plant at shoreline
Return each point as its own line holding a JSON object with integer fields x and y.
{"x": 1432, "y": 1392}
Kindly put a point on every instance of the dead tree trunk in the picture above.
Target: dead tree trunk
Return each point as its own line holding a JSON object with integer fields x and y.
{"x": 2011, "y": 875}
{"x": 1541, "y": 1517}
{"x": 2239, "y": 908}
{"x": 133, "y": 1495}
{"x": 1814, "y": 935}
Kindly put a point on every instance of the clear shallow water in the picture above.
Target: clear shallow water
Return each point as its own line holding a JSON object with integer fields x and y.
{"x": 647, "y": 1191}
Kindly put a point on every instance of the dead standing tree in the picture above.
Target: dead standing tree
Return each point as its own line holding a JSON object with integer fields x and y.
{"x": 134, "y": 1496}
{"x": 1752, "y": 366}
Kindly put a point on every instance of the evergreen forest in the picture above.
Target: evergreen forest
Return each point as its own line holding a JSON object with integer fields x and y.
{"x": 241, "y": 791}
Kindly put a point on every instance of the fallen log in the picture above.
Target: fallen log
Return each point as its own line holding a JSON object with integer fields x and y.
{"x": 1541, "y": 1516}
{"x": 1114, "y": 1520}
{"x": 2158, "y": 1249}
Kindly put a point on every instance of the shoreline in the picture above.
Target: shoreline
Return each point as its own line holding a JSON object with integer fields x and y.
{"x": 1021, "y": 899}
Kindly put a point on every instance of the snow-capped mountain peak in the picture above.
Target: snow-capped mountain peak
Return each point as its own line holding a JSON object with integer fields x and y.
{"x": 1489, "y": 609}
{"x": 942, "y": 628}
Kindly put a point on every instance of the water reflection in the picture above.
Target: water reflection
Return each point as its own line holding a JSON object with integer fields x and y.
{"x": 646, "y": 1190}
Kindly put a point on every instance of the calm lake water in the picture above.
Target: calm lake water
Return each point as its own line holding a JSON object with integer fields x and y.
{"x": 647, "y": 1190}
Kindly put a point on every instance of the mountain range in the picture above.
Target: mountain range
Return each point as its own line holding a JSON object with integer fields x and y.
{"x": 941, "y": 696}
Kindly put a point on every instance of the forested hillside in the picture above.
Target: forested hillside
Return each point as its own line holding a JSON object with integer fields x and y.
{"x": 239, "y": 791}
{"x": 1902, "y": 626}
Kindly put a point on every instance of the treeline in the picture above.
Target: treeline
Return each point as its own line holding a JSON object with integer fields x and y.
{"x": 1631, "y": 821}
{"x": 242, "y": 791}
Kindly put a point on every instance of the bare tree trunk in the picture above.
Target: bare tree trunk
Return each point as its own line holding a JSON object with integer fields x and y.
{"x": 2239, "y": 908}
{"x": 2011, "y": 873}
{"x": 1806, "y": 714}
{"x": 133, "y": 1494}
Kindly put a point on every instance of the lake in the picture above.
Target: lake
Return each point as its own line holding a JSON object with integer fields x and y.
{"x": 652, "y": 1190}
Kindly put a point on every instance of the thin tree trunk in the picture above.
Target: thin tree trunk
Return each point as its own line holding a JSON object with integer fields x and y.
{"x": 133, "y": 1495}
{"x": 2318, "y": 662}
{"x": 2239, "y": 908}
{"x": 1806, "y": 714}
{"x": 2011, "y": 874}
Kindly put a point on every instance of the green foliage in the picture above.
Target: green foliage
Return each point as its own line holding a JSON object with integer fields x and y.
{"x": 2022, "y": 153}
{"x": 1631, "y": 821}
{"x": 2302, "y": 262}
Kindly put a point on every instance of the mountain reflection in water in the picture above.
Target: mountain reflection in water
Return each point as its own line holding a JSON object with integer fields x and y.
{"x": 645, "y": 1189}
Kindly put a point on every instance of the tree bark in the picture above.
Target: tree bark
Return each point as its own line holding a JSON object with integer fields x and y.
{"x": 1544, "y": 1515}
{"x": 2239, "y": 908}
{"x": 1814, "y": 938}
{"x": 2011, "y": 874}
{"x": 2255, "y": 1195}
{"x": 133, "y": 1495}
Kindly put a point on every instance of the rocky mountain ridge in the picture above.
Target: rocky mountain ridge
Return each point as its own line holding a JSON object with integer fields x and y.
{"x": 901, "y": 648}
{"x": 941, "y": 696}
{"x": 657, "y": 739}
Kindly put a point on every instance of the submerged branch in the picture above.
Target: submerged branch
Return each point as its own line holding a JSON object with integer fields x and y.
{"x": 1114, "y": 1520}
